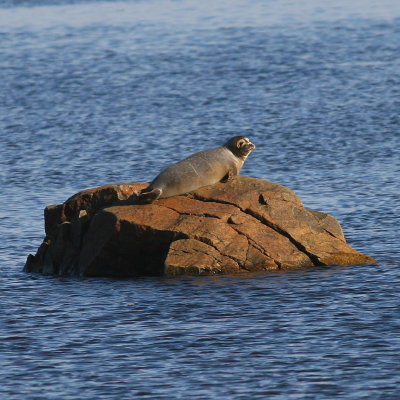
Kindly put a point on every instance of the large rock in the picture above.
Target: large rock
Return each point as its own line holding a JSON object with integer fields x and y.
{"x": 246, "y": 225}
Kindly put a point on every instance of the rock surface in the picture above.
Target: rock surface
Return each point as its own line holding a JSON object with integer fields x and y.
{"x": 245, "y": 225}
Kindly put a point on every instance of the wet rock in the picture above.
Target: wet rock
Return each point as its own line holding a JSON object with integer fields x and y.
{"x": 247, "y": 224}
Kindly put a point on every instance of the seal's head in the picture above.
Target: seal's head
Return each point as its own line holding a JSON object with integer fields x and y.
{"x": 240, "y": 146}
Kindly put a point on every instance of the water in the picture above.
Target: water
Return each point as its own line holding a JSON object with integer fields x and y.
{"x": 101, "y": 92}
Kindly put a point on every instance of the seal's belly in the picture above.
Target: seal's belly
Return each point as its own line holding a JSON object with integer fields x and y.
{"x": 177, "y": 180}
{"x": 201, "y": 169}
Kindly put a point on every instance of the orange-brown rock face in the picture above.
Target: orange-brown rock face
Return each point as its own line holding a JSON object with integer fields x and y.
{"x": 245, "y": 225}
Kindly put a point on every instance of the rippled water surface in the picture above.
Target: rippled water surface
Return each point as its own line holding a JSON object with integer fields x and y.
{"x": 101, "y": 92}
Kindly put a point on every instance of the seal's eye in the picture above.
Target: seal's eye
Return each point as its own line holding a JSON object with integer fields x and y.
{"x": 240, "y": 143}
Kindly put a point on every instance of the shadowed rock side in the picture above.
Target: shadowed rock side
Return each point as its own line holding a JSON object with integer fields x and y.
{"x": 247, "y": 224}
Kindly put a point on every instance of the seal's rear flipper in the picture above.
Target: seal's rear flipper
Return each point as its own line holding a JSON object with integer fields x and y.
{"x": 149, "y": 197}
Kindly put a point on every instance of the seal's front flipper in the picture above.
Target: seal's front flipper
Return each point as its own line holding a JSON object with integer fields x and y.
{"x": 228, "y": 177}
{"x": 149, "y": 197}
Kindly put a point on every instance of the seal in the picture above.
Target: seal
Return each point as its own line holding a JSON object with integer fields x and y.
{"x": 200, "y": 169}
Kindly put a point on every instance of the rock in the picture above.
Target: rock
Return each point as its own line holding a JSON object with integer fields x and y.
{"x": 245, "y": 225}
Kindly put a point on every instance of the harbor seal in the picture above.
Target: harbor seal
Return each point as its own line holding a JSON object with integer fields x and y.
{"x": 200, "y": 169}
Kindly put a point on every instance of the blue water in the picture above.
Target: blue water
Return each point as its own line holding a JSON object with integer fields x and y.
{"x": 101, "y": 92}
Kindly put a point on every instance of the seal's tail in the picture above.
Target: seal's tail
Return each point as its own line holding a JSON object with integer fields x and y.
{"x": 148, "y": 197}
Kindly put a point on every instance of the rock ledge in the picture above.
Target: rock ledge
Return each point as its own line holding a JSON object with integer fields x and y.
{"x": 246, "y": 225}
